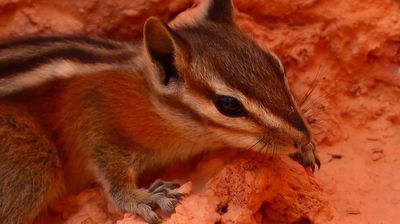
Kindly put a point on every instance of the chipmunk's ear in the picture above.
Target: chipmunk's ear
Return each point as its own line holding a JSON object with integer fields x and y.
{"x": 220, "y": 11}
{"x": 165, "y": 50}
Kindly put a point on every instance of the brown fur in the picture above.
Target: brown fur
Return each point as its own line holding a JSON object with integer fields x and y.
{"x": 75, "y": 110}
{"x": 30, "y": 169}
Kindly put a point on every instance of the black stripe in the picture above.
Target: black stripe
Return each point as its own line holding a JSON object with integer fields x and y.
{"x": 175, "y": 102}
{"x": 41, "y": 40}
{"x": 203, "y": 89}
{"x": 11, "y": 66}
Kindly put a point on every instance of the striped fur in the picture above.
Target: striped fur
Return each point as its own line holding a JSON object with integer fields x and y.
{"x": 33, "y": 61}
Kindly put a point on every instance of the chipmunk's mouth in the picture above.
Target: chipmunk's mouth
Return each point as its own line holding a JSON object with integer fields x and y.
{"x": 289, "y": 149}
{"x": 284, "y": 148}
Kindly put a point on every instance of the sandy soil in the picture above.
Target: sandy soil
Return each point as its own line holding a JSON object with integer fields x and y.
{"x": 352, "y": 49}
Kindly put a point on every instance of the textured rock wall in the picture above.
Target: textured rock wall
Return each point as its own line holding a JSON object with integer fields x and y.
{"x": 351, "y": 49}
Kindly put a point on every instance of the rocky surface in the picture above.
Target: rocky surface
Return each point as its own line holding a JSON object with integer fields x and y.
{"x": 347, "y": 51}
{"x": 224, "y": 187}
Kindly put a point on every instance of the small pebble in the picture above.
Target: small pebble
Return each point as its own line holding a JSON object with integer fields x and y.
{"x": 334, "y": 156}
{"x": 377, "y": 154}
{"x": 353, "y": 211}
{"x": 377, "y": 150}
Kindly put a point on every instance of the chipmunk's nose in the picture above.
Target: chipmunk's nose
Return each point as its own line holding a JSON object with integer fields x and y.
{"x": 297, "y": 144}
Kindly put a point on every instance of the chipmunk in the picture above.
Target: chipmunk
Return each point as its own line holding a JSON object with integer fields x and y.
{"x": 75, "y": 110}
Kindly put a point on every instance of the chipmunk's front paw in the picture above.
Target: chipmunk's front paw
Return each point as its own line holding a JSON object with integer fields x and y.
{"x": 307, "y": 157}
{"x": 142, "y": 201}
{"x": 162, "y": 195}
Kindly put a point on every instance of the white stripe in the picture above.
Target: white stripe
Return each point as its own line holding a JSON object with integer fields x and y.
{"x": 61, "y": 69}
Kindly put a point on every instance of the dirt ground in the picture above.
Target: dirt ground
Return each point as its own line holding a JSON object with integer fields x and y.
{"x": 354, "y": 50}
{"x": 347, "y": 51}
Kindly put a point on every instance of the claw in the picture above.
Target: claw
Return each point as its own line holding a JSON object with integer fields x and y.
{"x": 142, "y": 201}
{"x": 146, "y": 212}
{"x": 318, "y": 162}
{"x": 307, "y": 157}
{"x": 176, "y": 195}
{"x": 160, "y": 185}
{"x": 162, "y": 196}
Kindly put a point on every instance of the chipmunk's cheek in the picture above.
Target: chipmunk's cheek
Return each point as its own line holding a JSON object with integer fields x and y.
{"x": 237, "y": 141}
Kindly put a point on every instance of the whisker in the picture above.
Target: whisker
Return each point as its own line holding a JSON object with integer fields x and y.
{"x": 262, "y": 137}
{"x": 316, "y": 126}
{"x": 314, "y": 84}
{"x": 319, "y": 100}
{"x": 274, "y": 149}
{"x": 319, "y": 132}
{"x": 270, "y": 149}
{"x": 264, "y": 147}
{"x": 262, "y": 150}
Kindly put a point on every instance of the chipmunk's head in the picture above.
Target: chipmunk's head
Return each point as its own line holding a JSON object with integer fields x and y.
{"x": 221, "y": 85}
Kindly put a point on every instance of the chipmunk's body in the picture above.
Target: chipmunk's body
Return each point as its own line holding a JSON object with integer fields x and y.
{"x": 75, "y": 110}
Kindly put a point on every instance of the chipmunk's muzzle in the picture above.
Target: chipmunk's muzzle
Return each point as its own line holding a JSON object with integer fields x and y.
{"x": 307, "y": 156}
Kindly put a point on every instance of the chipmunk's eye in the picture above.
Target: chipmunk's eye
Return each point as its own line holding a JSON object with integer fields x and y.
{"x": 229, "y": 106}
